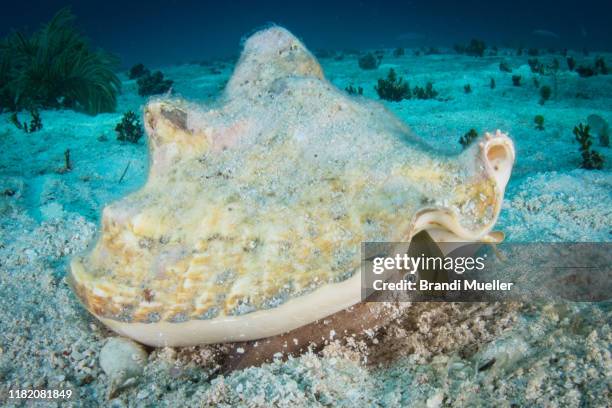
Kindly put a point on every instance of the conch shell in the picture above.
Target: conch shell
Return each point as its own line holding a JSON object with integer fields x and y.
{"x": 252, "y": 217}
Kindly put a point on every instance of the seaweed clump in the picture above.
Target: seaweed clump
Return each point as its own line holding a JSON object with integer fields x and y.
{"x": 539, "y": 122}
{"x": 137, "y": 71}
{"x": 427, "y": 92}
{"x": 475, "y": 48}
{"x": 468, "y": 138}
{"x": 129, "y": 129}
{"x": 35, "y": 122}
{"x": 536, "y": 66}
{"x": 351, "y": 90}
{"x": 545, "y": 92}
{"x": 392, "y": 88}
{"x": 516, "y": 80}
{"x": 369, "y": 61}
{"x": 153, "y": 84}
{"x": 56, "y": 68}
{"x": 599, "y": 67}
{"x": 590, "y": 158}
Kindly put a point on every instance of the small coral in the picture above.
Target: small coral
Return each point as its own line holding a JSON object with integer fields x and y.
{"x": 492, "y": 83}
{"x": 398, "y": 52}
{"x": 545, "y": 92}
{"x": 137, "y": 71}
{"x": 351, "y": 90}
{"x": 425, "y": 93}
{"x": 369, "y": 61}
{"x": 600, "y": 66}
{"x": 392, "y": 88}
{"x": 153, "y": 84}
{"x": 475, "y": 48}
{"x": 35, "y": 122}
{"x": 535, "y": 65}
{"x": 585, "y": 71}
{"x": 571, "y": 63}
{"x": 539, "y": 122}
{"x": 590, "y": 158}
{"x": 34, "y": 125}
{"x": 129, "y": 129}
{"x": 467, "y": 88}
{"x": 516, "y": 80}
{"x": 468, "y": 138}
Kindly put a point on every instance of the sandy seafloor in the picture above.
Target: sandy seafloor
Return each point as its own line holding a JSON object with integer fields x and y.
{"x": 546, "y": 355}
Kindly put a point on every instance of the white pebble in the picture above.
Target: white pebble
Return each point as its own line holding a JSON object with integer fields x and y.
{"x": 122, "y": 359}
{"x": 435, "y": 400}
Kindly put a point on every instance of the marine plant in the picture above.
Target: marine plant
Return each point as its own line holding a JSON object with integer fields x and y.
{"x": 535, "y": 65}
{"x": 138, "y": 71}
{"x": 467, "y": 88}
{"x": 475, "y": 48}
{"x": 539, "y": 122}
{"x": 516, "y": 80}
{"x": 600, "y": 66}
{"x": 153, "y": 84}
{"x": 35, "y": 122}
{"x": 392, "y": 88}
{"x": 571, "y": 63}
{"x": 55, "y": 67}
{"x": 545, "y": 92}
{"x": 130, "y": 128}
{"x": 427, "y": 92}
{"x": 351, "y": 90}
{"x": 398, "y": 52}
{"x": 369, "y": 61}
{"x": 67, "y": 163}
{"x": 585, "y": 71}
{"x": 468, "y": 138}
{"x": 590, "y": 158}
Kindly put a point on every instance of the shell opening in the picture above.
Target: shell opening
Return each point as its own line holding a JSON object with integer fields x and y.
{"x": 499, "y": 156}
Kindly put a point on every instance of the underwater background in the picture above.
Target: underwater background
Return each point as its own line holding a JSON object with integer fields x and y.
{"x": 71, "y": 141}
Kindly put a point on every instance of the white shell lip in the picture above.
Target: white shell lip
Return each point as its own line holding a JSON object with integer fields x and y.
{"x": 498, "y": 155}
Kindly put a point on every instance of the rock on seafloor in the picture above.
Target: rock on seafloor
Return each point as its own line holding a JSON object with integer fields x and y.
{"x": 122, "y": 360}
{"x": 252, "y": 217}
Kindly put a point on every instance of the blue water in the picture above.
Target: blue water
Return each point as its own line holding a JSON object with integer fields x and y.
{"x": 161, "y": 33}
